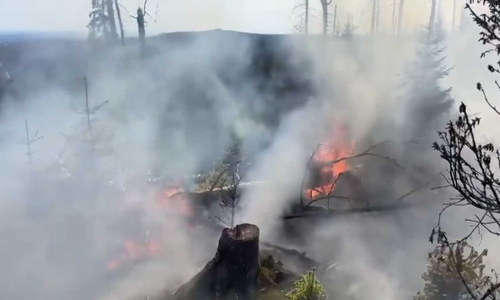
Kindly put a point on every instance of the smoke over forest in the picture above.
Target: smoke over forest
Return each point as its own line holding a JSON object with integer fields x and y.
{"x": 109, "y": 147}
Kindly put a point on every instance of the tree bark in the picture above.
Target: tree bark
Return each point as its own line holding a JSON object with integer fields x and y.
{"x": 374, "y": 15}
{"x": 120, "y": 23}
{"x": 324, "y": 5}
{"x": 111, "y": 19}
{"x": 142, "y": 30}
{"x": 393, "y": 16}
{"x": 306, "y": 27}
{"x": 400, "y": 15}
{"x": 233, "y": 272}
{"x": 432, "y": 18}
{"x": 334, "y": 30}
{"x": 453, "y": 26}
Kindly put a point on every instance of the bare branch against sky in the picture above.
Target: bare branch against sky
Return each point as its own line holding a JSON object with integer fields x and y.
{"x": 174, "y": 15}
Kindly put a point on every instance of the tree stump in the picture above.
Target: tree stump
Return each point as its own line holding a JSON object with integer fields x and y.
{"x": 232, "y": 273}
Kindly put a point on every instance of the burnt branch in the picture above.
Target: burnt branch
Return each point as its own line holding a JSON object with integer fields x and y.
{"x": 30, "y": 140}
{"x": 490, "y": 293}
{"x": 365, "y": 153}
{"x": 471, "y": 166}
{"x": 308, "y": 165}
{"x": 489, "y": 25}
{"x": 218, "y": 178}
{"x": 334, "y": 213}
{"x": 231, "y": 198}
{"x": 471, "y": 174}
{"x": 397, "y": 200}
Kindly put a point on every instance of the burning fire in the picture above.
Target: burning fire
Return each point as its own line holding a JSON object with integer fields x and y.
{"x": 171, "y": 200}
{"x": 134, "y": 251}
{"x": 335, "y": 148}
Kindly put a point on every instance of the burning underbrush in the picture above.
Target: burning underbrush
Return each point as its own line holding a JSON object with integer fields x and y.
{"x": 332, "y": 184}
{"x": 327, "y": 165}
{"x": 329, "y": 182}
{"x": 142, "y": 237}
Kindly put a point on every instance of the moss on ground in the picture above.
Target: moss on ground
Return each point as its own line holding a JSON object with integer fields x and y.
{"x": 270, "y": 270}
{"x": 274, "y": 280}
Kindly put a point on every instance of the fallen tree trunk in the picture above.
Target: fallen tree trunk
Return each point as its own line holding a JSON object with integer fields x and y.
{"x": 233, "y": 272}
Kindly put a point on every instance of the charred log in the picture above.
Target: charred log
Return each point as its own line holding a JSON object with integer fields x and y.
{"x": 233, "y": 272}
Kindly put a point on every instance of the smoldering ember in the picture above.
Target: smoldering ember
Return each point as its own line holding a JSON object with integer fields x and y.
{"x": 350, "y": 154}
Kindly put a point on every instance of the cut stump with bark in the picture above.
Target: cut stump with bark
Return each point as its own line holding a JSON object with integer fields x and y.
{"x": 234, "y": 270}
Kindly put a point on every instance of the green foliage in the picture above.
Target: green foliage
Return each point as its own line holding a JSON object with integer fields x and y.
{"x": 453, "y": 272}
{"x": 307, "y": 288}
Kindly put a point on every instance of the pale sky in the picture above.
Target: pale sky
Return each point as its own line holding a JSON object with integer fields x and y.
{"x": 263, "y": 16}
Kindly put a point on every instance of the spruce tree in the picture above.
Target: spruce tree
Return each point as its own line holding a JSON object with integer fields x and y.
{"x": 102, "y": 21}
{"x": 98, "y": 25}
{"x": 428, "y": 103}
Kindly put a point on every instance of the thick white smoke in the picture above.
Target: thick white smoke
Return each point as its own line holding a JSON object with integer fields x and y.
{"x": 175, "y": 112}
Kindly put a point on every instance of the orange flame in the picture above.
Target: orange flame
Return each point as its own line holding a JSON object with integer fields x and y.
{"x": 174, "y": 200}
{"x": 133, "y": 251}
{"x": 337, "y": 147}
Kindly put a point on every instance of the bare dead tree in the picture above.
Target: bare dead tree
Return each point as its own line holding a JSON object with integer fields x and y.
{"x": 141, "y": 27}
{"x": 92, "y": 135}
{"x": 432, "y": 17}
{"x": 30, "y": 140}
{"x": 120, "y": 22}
{"x": 6, "y": 82}
{"x": 394, "y": 16}
{"x": 111, "y": 19}
{"x": 306, "y": 25}
{"x": 400, "y": 16}
{"x": 375, "y": 6}
{"x": 349, "y": 27}
{"x": 89, "y": 111}
{"x": 231, "y": 197}
{"x": 324, "y": 6}
{"x": 453, "y": 22}
{"x": 334, "y": 29}
{"x": 300, "y": 12}
{"x": 233, "y": 194}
